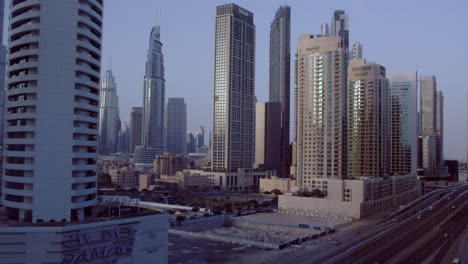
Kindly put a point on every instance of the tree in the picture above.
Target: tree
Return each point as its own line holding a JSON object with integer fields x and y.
{"x": 206, "y": 214}
{"x": 266, "y": 203}
{"x": 195, "y": 209}
{"x": 267, "y": 192}
{"x": 180, "y": 218}
{"x": 276, "y": 192}
{"x": 104, "y": 180}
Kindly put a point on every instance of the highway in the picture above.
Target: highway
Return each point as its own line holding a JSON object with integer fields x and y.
{"x": 381, "y": 243}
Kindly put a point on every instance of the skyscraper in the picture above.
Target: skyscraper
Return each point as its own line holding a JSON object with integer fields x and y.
{"x": 109, "y": 121}
{"x": 428, "y": 105}
{"x": 201, "y": 137}
{"x": 52, "y": 122}
{"x": 267, "y": 136}
{"x": 3, "y": 54}
{"x": 367, "y": 120}
{"x": 439, "y": 131}
{"x": 403, "y": 123}
{"x": 356, "y": 51}
{"x": 320, "y": 105}
{"x": 280, "y": 55}
{"x": 175, "y": 125}
{"x": 339, "y": 27}
{"x": 152, "y": 141}
{"x": 324, "y": 29}
{"x": 191, "y": 143}
{"x": 136, "y": 116}
{"x": 234, "y": 89}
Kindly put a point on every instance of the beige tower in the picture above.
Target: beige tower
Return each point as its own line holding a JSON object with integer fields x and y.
{"x": 320, "y": 110}
{"x": 367, "y": 119}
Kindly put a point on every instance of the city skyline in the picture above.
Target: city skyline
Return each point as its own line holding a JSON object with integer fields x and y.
{"x": 410, "y": 56}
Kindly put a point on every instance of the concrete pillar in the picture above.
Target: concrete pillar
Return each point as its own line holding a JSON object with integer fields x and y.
{"x": 21, "y": 215}
{"x": 80, "y": 213}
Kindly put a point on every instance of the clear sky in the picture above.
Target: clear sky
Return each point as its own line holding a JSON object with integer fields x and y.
{"x": 402, "y": 35}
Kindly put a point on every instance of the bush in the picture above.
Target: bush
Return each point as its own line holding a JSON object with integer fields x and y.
{"x": 170, "y": 211}
{"x": 193, "y": 217}
{"x": 276, "y": 192}
{"x": 195, "y": 209}
{"x": 206, "y": 215}
{"x": 180, "y": 218}
{"x": 266, "y": 204}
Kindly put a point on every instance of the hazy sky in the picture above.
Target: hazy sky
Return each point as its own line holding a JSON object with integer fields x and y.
{"x": 427, "y": 36}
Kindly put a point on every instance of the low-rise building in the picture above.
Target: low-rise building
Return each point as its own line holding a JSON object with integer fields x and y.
{"x": 282, "y": 184}
{"x": 240, "y": 180}
{"x": 107, "y": 163}
{"x": 355, "y": 198}
{"x": 126, "y": 177}
{"x": 169, "y": 164}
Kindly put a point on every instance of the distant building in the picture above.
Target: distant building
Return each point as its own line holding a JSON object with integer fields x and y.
{"x": 108, "y": 163}
{"x": 154, "y": 88}
{"x": 356, "y": 51}
{"x": 191, "y": 143}
{"x": 427, "y": 156}
{"x": 439, "y": 134}
{"x": 239, "y": 180}
{"x": 367, "y": 120}
{"x": 125, "y": 177}
{"x": 339, "y": 27}
{"x": 175, "y": 126}
{"x": 200, "y": 137}
{"x": 124, "y": 138}
{"x": 136, "y": 115}
{"x": 233, "y": 89}
{"x": 109, "y": 120}
{"x": 324, "y": 29}
{"x": 268, "y": 136}
{"x": 452, "y": 167}
{"x": 169, "y": 164}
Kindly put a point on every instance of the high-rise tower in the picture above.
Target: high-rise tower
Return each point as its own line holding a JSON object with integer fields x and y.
{"x": 339, "y": 27}
{"x": 3, "y": 53}
{"x": 152, "y": 137}
{"x": 356, "y": 51}
{"x": 439, "y": 131}
{"x": 280, "y": 56}
{"x": 234, "y": 89}
{"x": 320, "y": 116}
{"x": 136, "y": 115}
{"x": 175, "y": 126}
{"x": 403, "y": 123}
{"x": 52, "y": 121}
{"x": 324, "y": 29}
{"x": 109, "y": 121}
{"x": 428, "y": 105}
{"x": 367, "y": 120}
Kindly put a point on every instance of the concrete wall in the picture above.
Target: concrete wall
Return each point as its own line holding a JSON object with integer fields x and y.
{"x": 338, "y": 208}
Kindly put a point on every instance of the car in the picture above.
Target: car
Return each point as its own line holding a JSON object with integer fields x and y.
{"x": 419, "y": 216}
{"x": 383, "y": 224}
{"x": 430, "y": 208}
{"x": 456, "y": 261}
{"x": 395, "y": 220}
{"x": 453, "y": 206}
{"x": 337, "y": 242}
{"x": 446, "y": 235}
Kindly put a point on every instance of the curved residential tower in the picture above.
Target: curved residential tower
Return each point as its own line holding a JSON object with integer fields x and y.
{"x": 54, "y": 63}
{"x": 109, "y": 121}
{"x": 152, "y": 137}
